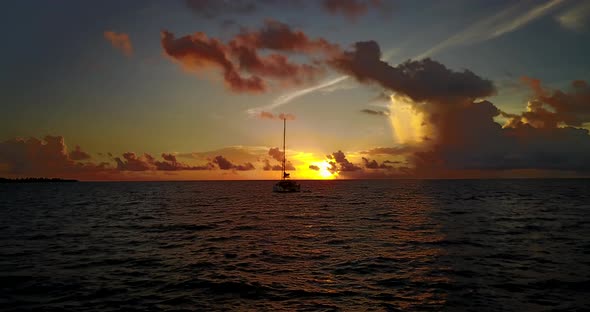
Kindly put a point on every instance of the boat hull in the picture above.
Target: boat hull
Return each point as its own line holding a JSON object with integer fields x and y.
{"x": 286, "y": 187}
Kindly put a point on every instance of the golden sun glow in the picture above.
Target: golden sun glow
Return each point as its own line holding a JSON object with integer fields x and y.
{"x": 406, "y": 122}
{"x": 323, "y": 171}
{"x": 306, "y": 160}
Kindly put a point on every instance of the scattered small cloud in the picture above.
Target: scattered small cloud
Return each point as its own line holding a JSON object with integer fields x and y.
{"x": 269, "y": 115}
{"x": 352, "y": 9}
{"x": 120, "y": 41}
{"x": 375, "y": 112}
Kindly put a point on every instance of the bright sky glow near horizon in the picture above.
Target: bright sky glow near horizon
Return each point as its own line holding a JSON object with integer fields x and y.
{"x": 175, "y": 90}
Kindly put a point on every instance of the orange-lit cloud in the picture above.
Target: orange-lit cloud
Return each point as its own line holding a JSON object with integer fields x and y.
{"x": 243, "y": 68}
{"x": 120, "y": 41}
{"x": 550, "y": 108}
{"x": 351, "y": 8}
{"x": 269, "y": 115}
{"x": 215, "y": 8}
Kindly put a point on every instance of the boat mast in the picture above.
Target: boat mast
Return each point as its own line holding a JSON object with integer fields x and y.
{"x": 284, "y": 136}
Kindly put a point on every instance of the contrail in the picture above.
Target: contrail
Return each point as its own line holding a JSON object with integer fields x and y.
{"x": 501, "y": 23}
{"x": 286, "y": 98}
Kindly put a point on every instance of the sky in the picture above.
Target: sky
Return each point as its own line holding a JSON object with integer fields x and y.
{"x": 198, "y": 89}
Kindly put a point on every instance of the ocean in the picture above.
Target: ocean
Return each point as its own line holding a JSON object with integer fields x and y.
{"x": 363, "y": 245}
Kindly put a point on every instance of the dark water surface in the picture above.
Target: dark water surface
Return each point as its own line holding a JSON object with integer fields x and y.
{"x": 488, "y": 245}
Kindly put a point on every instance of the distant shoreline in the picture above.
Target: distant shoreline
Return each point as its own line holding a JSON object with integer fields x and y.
{"x": 36, "y": 180}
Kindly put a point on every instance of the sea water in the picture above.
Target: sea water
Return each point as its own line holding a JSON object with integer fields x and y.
{"x": 379, "y": 245}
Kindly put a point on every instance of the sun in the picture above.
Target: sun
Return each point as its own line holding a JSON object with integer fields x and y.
{"x": 323, "y": 172}
{"x": 309, "y": 166}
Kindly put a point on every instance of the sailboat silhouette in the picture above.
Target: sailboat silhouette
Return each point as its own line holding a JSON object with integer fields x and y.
{"x": 285, "y": 185}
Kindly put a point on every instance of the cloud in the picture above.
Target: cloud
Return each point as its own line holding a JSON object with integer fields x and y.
{"x": 132, "y": 162}
{"x": 44, "y": 157}
{"x": 269, "y": 115}
{"x": 351, "y": 8}
{"x": 373, "y": 164}
{"x": 551, "y": 108}
{"x": 398, "y": 150}
{"x": 225, "y": 164}
{"x": 170, "y": 163}
{"x": 216, "y": 8}
{"x": 374, "y": 112}
{"x": 120, "y": 41}
{"x": 198, "y": 51}
{"x": 314, "y": 167}
{"x": 277, "y": 155}
{"x": 240, "y": 56}
{"x": 78, "y": 154}
{"x": 423, "y": 80}
{"x": 466, "y": 136}
{"x": 576, "y": 17}
{"x": 146, "y": 162}
{"x": 339, "y": 163}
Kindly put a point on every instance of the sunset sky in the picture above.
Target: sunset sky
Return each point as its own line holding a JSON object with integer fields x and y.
{"x": 175, "y": 90}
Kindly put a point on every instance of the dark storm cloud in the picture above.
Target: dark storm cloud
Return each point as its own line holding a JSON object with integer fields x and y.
{"x": 468, "y": 138}
{"x": 422, "y": 80}
{"x": 44, "y": 157}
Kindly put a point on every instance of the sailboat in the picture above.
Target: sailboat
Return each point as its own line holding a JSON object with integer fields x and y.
{"x": 285, "y": 185}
